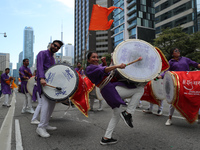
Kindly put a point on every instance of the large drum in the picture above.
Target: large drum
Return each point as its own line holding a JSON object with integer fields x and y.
{"x": 157, "y": 88}
{"x": 30, "y": 85}
{"x": 142, "y": 71}
{"x": 62, "y": 82}
{"x": 182, "y": 90}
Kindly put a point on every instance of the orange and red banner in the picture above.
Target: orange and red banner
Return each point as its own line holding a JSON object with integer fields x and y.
{"x": 148, "y": 95}
{"x": 81, "y": 97}
{"x": 99, "y": 17}
{"x": 187, "y": 100}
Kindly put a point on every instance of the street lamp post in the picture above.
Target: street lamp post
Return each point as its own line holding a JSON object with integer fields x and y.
{"x": 4, "y": 34}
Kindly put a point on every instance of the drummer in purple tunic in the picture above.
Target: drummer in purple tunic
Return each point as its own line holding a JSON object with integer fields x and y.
{"x": 25, "y": 74}
{"x": 113, "y": 92}
{"x": 45, "y": 60}
{"x": 5, "y": 86}
{"x": 178, "y": 63}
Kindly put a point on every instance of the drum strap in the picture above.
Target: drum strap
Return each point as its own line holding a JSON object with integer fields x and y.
{"x": 106, "y": 80}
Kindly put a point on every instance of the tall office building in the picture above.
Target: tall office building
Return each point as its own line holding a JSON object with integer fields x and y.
{"x": 135, "y": 21}
{"x": 69, "y": 50}
{"x": 173, "y": 13}
{"x": 98, "y": 41}
{"x": 11, "y": 69}
{"x": 28, "y": 45}
{"x": 4, "y": 61}
{"x": 198, "y": 14}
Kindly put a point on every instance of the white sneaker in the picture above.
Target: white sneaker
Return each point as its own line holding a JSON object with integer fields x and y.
{"x": 30, "y": 110}
{"x": 51, "y": 128}
{"x": 23, "y": 110}
{"x": 35, "y": 121}
{"x": 100, "y": 109}
{"x": 159, "y": 113}
{"x": 169, "y": 122}
{"x": 42, "y": 132}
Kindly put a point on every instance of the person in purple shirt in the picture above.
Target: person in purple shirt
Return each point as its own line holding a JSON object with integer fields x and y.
{"x": 178, "y": 63}
{"x": 25, "y": 74}
{"x": 113, "y": 92}
{"x": 45, "y": 60}
{"x": 79, "y": 68}
{"x": 5, "y": 87}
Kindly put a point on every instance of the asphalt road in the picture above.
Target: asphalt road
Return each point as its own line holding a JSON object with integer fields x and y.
{"x": 77, "y": 132}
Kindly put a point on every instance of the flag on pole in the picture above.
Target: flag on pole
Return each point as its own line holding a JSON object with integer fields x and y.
{"x": 99, "y": 17}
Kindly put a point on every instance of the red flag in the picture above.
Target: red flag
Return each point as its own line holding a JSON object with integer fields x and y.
{"x": 165, "y": 63}
{"x": 99, "y": 17}
{"x": 148, "y": 95}
{"x": 81, "y": 97}
{"x": 187, "y": 100}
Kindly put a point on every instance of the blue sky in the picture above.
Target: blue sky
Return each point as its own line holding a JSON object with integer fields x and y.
{"x": 44, "y": 16}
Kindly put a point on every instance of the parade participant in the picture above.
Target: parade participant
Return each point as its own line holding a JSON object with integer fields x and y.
{"x": 113, "y": 93}
{"x": 45, "y": 60}
{"x": 25, "y": 74}
{"x": 5, "y": 86}
{"x": 0, "y": 88}
{"x": 177, "y": 63}
{"x": 79, "y": 68}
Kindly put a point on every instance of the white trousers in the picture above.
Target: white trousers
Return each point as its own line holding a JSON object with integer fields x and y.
{"x": 135, "y": 95}
{"x": 159, "y": 107}
{"x": 38, "y": 108}
{"x": 6, "y": 101}
{"x": 27, "y": 101}
{"x": 47, "y": 107}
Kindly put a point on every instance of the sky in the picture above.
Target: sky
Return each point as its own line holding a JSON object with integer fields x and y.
{"x": 46, "y": 17}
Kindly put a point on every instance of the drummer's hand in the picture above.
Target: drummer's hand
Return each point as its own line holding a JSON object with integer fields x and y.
{"x": 122, "y": 66}
{"x": 25, "y": 71}
{"x": 43, "y": 82}
{"x": 103, "y": 59}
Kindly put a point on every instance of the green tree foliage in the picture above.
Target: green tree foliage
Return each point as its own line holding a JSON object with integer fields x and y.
{"x": 176, "y": 37}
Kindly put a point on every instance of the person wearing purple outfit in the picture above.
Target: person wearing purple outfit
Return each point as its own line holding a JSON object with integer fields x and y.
{"x": 178, "y": 63}
{"x": 25, "y": 74}
{"x": 5, "y": 87}
{"x": 45, "y": 60}
{"x": 79, "y": 68}
{"x": 113, "y": 93}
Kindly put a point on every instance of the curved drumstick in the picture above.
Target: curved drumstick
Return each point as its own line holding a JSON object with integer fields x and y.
{"x": 58, "y": 88}
{"x": 140, "y": 58}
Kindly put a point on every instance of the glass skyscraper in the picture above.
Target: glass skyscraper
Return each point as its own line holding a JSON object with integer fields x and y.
{"x": 28, "y": 45}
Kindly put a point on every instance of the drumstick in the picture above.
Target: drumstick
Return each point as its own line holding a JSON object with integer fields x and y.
{"x": 58, "y": 88}
{"x": 140, "y": 58}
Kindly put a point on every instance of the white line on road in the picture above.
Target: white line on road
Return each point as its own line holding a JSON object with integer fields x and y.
{"x": 6, "y": 128}
{"x": 18, "y": 137}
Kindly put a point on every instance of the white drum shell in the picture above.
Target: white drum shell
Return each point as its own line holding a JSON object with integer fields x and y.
{"x": 169, "y": 87}
{"x": 157, "y": 88}
{"x": 98, "y": 94}
{"x": 142, "y": 71}
{"x": 30, "y": 85}
{"x": 61, "y": 76}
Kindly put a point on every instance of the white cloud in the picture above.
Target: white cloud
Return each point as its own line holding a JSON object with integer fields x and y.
{"x": 68, "y": 3}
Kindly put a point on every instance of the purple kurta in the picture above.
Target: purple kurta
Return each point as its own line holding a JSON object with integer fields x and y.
{"x": 96, "y": 74}
{"x": 5, "y": 88}
{"x": 23, "y": 80}
{"x": 183, "y": 64}
{"x": 45, "y": 60}
{"x": 82, "y": 71}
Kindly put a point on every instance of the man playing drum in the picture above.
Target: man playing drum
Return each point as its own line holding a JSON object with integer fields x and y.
{"x": 178, "y": 63}
{"x": 113, "y": 92}
{"x": 5, "y": 86}
{"x": 25, "y": 74}
{"x": 45, "y": 60}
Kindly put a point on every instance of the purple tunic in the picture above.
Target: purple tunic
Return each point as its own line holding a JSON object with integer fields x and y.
{"x": 96, "y": 74}
{"x": 5, "y": 88}
{"x": 45, "y": 60}
{"x": 82, "y": 71}
{"x": 23, "y": 80}
{"x": 183, "y": 64}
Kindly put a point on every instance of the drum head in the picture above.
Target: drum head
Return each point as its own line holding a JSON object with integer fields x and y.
{"x": 62, "y": 76}
{"x": 169, "y": 88}
{"x": 141, "y": 71}
{"x": 30, "y": 85}
{"x": 157, "y": 88}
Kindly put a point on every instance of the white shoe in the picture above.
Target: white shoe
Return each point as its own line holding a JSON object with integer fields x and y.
{"x": 35, "y": 121}
{"x": 159, "y": 113}
{"x": 51, "y": 128}
{"x": 100, "y": 109}
{"x": 23, "y": 110}
{"x": 30, "y": 110}
{"x": 169, "y": 122}
{"x": 42, "y": 132}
